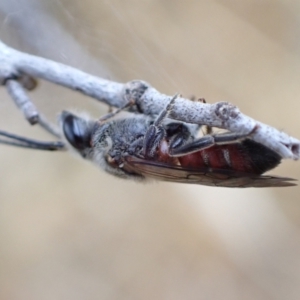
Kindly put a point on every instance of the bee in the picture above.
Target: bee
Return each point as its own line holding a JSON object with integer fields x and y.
{"x": 142, "y": 147}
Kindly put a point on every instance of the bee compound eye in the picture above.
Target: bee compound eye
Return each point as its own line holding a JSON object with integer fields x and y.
{"x": 76, "y": 131}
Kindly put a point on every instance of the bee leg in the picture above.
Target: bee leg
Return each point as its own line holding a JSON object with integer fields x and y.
{"x": 152, "y": 139}
{"x": 112, "y": 113}
{"x": 156, "y": 132}
{"x": 208, "y": 141}
{"x": 166, "y": 111}
{"x": 179, "y": 133}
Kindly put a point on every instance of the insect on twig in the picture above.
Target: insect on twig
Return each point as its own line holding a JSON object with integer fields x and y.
{"x": 159, "y": 139}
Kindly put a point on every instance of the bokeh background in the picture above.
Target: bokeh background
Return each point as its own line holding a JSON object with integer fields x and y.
{"x": 69, "y": 231}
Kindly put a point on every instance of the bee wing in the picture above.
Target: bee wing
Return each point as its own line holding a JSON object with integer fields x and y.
{"x": 203, "y": 176}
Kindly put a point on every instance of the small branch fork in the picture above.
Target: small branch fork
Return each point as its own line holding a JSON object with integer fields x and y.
{"x": 18, "y": 72}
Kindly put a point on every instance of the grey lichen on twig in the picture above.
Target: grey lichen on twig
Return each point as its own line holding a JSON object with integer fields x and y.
{"x": 14, "y": 65}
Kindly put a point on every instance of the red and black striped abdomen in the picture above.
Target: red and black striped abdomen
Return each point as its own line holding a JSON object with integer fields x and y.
{"x": 247, "y": 156}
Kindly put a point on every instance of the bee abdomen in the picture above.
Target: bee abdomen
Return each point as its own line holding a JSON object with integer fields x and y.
{"x": 247, "y": 157}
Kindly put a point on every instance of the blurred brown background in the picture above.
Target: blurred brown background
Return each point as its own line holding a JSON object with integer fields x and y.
{"x": 69, "y": 231}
